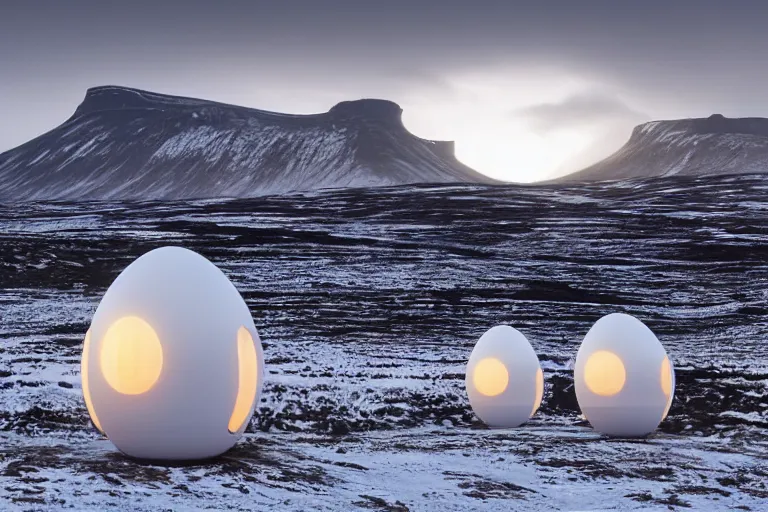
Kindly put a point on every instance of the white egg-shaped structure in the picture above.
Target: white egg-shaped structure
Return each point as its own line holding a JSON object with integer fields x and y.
{"x": 172, "y": 364}
{"x": 623, "y": 377}
{"x": 504, "y": 380}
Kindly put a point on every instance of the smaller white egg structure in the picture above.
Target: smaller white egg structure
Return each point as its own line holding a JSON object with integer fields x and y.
{"x": 623, "y": 377}
{"x": 172, "y": 365}
{"x": 504, "y": 380}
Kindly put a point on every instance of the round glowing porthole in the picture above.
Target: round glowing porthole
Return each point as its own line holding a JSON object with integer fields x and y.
{"x": 131, "y": 356}
{"x": 539, "y": 391}
{"x": 667, "y": 379}
{"x": 604, "y": 373}
{"x": 85, "y": 381}
{"x": 490, "y": 377}
{"x": 247, "y": 380}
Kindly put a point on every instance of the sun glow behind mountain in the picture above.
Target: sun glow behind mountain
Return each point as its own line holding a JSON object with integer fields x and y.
{"x": 512, "y": 153}
{"x": 500, "y": 146}
{"x": 484, "y": 115}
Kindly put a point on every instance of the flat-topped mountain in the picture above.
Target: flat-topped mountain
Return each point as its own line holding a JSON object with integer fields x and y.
{"x": 713, "y": 145}
{"x": 124, "y": 143}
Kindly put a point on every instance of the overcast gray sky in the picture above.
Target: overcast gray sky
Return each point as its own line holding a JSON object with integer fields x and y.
{"x": 526, "y": 89}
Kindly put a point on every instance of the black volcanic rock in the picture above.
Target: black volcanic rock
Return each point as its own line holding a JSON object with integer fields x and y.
{"x": 126, "y": 143}
{"x": 689, "y": 147}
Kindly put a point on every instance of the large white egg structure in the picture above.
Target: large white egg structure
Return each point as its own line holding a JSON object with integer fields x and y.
{"x": 623, "y": 377}
{"x": 172, "y": 364}
{"x": 504, "y": 380}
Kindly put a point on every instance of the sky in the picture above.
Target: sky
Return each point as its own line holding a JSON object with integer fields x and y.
{"x": 528, "y": 90}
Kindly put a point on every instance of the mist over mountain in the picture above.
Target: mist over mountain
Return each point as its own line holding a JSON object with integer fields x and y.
{"x": 715, "y": 145}
{"x": 129, "y": 144}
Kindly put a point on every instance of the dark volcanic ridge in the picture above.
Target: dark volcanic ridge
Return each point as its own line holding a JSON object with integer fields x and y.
{"x": 123, "y": 144}
{"x": 714, "y": 145}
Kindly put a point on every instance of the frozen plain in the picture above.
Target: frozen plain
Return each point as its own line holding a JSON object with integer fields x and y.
{"x": 369, "y": 303}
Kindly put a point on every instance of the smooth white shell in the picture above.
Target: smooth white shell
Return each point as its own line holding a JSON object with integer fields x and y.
{"x": 515, "y": 405}
{"x": 637, "y": 409}
{"x": 196, "y": 312}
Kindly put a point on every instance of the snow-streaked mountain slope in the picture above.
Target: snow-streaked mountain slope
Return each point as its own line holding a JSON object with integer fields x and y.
{"x": 706, "y": 146}
{"x": 124, "y": 143}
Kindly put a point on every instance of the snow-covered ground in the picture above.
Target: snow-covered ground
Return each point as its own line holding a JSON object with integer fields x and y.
{"x": 368, "y": 303}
